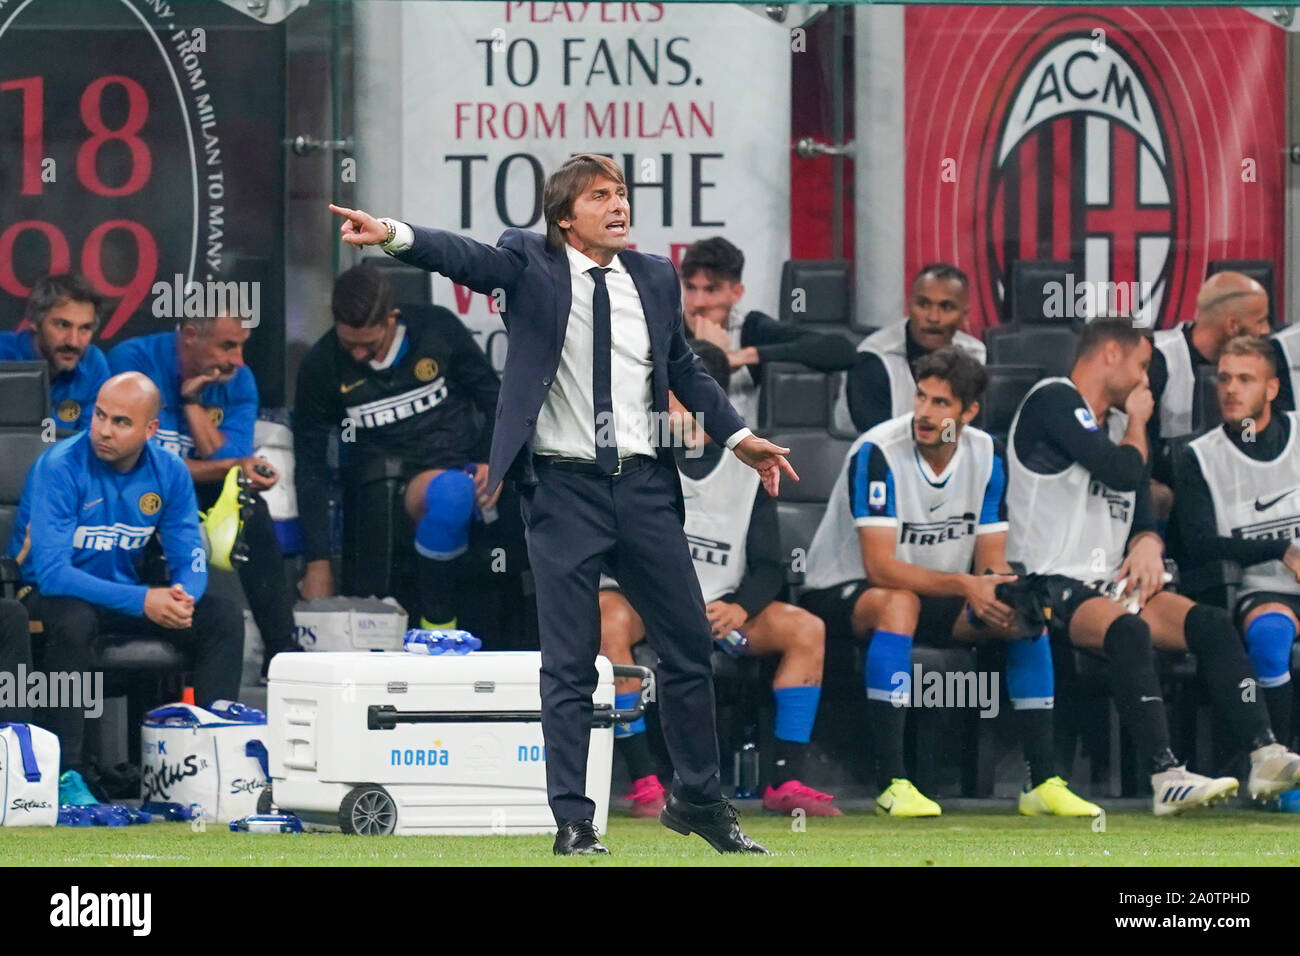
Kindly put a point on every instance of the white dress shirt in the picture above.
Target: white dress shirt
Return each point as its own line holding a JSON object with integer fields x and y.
{"x": 566, "y": 425}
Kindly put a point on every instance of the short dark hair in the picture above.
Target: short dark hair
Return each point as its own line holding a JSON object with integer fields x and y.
{"x": 563, "y": 186}
{"x": 1252, "y": 345}
{"x": 715, "y": 361}
{"x": 716, "y": 256}
{"x": 49, "y": 291}
{"x": 964, "y": 373}
{"x": 942, "y": 270}
{"x": 362, "y": 297}
{"x": 1100, "y": 331}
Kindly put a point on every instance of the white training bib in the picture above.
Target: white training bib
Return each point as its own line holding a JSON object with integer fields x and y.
{"x": 718, "y": 510}
{"x": 1180, "y": 390}
{"x": 1066, "y": 523}
{"x": 1254, "y": 500}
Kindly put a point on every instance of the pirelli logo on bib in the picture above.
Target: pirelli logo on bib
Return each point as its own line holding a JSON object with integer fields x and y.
{"x": 1117, "y": 502}
{"x": 1279, "y": 529}
{"x": 708, "y": 551}
{"x": 389, "y": 411}
{"x": 937, "y": 532}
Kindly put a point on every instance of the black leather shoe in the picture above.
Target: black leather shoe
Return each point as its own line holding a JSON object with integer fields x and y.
{"x": 718, "y": 823}
{"x": 578, "y": 838}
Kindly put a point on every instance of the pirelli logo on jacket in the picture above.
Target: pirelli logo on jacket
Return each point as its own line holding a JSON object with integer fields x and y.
{"x": 388, "y": 411}
{"x": 110, "y": 536}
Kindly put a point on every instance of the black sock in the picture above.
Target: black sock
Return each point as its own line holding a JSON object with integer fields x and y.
{"x": 1035, "y": 726}
{"x": 1136, "y": 689}
{"x": 1280, "y": 700}
{"x": 636, "y": 753}
{"x": 1221, "y": 658}
{"x": 441, "y": 584}
{"x": 789, "y": 761}
{"x": 887, "y": 722}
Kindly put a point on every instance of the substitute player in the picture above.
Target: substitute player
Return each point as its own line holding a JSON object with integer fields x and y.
{"x": 1228, "y": 304}
{"x": 89, "y": 507}
{"x": 1237, "y": 501}
{"x": 1080, "y": 516}
{"x": 63, "y": 312}
{"x": 731, "y": 527}
{"x": 920, "y": 505}
{"x": 711, "y": 273}
{"x": 880, "y": 385}
{"x": 415, "y": 387}
{"x": 209, "y": 410}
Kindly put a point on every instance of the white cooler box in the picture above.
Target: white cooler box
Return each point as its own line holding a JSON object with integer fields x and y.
{"x": 394, "y": 742}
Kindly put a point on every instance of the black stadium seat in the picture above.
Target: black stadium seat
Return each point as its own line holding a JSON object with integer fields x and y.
{"x": 1028, "y": 293}
{"x": 818, "y": 459}
{"x": 411, "y": 286}
{"x": 24, "y": 394}
{"x": 825, "y": 287}
{"x": 24, "y": 407}
{"x": 1050, "y": 347}
{"x": 792, "y": 396}
{"x": 1205, "y": 403}
{"x": 1008, "y": 385}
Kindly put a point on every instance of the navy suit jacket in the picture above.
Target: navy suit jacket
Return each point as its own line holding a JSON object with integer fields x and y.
{"x": 537, "y": 288}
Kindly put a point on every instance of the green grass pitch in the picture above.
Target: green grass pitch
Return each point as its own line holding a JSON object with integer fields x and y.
{"x": 973, "y": 837}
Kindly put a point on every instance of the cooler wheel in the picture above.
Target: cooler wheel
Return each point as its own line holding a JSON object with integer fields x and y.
{"x": 368, "y": 810}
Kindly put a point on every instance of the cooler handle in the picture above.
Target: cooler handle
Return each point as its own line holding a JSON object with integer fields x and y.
{"x": 606, "y": 717}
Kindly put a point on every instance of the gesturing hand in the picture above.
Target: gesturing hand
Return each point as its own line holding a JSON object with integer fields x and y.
{"x": 361, "y": 228}
{"x": 767, "y": 459}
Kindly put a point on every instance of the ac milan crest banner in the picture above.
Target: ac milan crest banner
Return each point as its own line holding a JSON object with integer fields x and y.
{"x": 1139, "y": 144}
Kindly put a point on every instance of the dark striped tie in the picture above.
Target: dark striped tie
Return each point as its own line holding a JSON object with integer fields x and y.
{"x": 601, "y": 389}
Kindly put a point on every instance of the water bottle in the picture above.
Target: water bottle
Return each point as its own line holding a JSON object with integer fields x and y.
{"x": 733, "y": 644}
{"x": 424, "y": 641}
{"x": 746, "y": 769}
{"x": 267, "y": 823}
{"x": 486, "y": 515}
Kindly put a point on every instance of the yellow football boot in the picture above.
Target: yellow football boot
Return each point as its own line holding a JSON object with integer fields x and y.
{"x": 902, "y": 799}
{"x": 1053, "y": 797}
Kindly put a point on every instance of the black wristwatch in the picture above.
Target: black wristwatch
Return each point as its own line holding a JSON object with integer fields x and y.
{"x": 187, "y": 400}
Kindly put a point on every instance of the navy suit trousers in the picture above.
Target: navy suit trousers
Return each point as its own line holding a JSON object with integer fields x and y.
{"x": 576, "y": 522}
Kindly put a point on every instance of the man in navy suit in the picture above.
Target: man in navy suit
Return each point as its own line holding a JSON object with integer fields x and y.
{"x": 596, "y": 342}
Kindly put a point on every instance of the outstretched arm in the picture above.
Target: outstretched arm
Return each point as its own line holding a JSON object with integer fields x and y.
{"x": 468, "y": 262}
